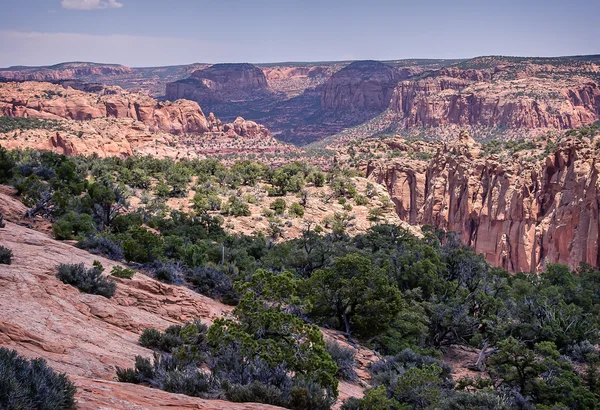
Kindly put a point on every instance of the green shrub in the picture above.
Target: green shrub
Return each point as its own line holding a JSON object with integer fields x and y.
{"x": 374, "y": 399}
{"x": 31, "y": 384}
{"x": 256, "y": 392}
{"x": 121, "y": 272}
{"x": 87, "y": 280}
{"x": 166, "y": 342}
{"x": 127, "y": 375}
{"x": 251, "y": 199}
{"x": 318, "y": 178}
{"x": 343, "y": 187}
{"x": 235, "y": 207}
{"x": 296, "y": 210}
{"x": 477, "y": 400}
{"x": 6, "y": 166}
{"x": 361, "y": 200}
{"x": 213, "y": 282}
{"x": 344, "y": 358}
{"x": 375, "y": 215}
{"x": 5, "y": 255}
{"x": 278, "y": 206}
{"x": 102, "y": 245}
{"x": 143, "y": 371}
{"x": 206, "y": 202}
{"x": 150, "y": 338}
{"x": 72, "y": 225}
{"x": 141, "y": 245}
{"x": 167, "y": 272}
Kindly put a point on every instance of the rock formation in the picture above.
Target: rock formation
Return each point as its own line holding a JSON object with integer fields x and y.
{"x": 521, "y": 211}
{"x": 220, "y": 83}
{"x": 113, "y": 122}
{"x": 362, "y": 85}
{"x": 50, "y": 101}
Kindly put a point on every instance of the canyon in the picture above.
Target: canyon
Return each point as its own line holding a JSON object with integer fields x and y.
{"x": 520, "y": 214}
{"x": 307, "y": 102}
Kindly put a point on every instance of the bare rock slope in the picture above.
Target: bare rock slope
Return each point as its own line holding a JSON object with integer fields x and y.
{"x": 88, "y": 336}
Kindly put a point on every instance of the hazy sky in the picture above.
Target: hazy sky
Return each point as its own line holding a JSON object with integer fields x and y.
{"x": 169, "y": 32}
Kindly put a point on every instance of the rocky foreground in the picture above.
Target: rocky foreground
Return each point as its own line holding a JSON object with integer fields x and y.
{"x": 88, "y": 336}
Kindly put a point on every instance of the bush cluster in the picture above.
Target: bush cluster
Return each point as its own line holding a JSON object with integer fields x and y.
{"x": 263, "y": 355}
{"x": 87, "y": 280}
{"x": 31, "y": 384}
{"x": 122, "y": 273}
{"x": 6, "y": 255}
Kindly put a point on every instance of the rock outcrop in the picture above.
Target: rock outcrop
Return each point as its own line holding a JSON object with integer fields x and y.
{"x": 220, "y": 83}
{"x": 112, "y": 122}
{"x": 293, "y": 80}
{"x": 245, "y": 128}
{"x": 362, "y": 85}
{"x": 521, "y": 212}
{"x": 50, "y": 101}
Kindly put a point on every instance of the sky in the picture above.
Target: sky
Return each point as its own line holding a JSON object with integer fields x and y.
{"x": 141, "y": 33}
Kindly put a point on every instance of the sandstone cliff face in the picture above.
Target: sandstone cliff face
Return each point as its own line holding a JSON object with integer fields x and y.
{"x": 519, "y": 213}
{"x": 291, "y": 81}
{"x": 362, "y": 85}
{"x": 220, "y": 83}
{"x": 499, "y": 97}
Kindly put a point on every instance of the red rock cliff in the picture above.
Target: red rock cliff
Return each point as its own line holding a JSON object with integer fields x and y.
{"x": 362, "y": 85}
{"x": 519, "y": 212}
{"x": 523, "y": 98}
{"x": 44, "y": 100}
{"x": 220, "y": 83}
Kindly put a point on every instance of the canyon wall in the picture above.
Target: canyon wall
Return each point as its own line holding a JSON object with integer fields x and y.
{"x": 509, "y": 97}
{"x": 220, "y": 83}
{"x": 521, "y": 213}
{"x": 362, "y": 85}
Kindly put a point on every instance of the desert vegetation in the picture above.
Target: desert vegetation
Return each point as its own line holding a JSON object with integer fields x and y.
{"x": 31, "y": 384}
{"x": 87, "y": 280}
{"x": 408, "y": 297}
{"x": 6, "y": 255}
